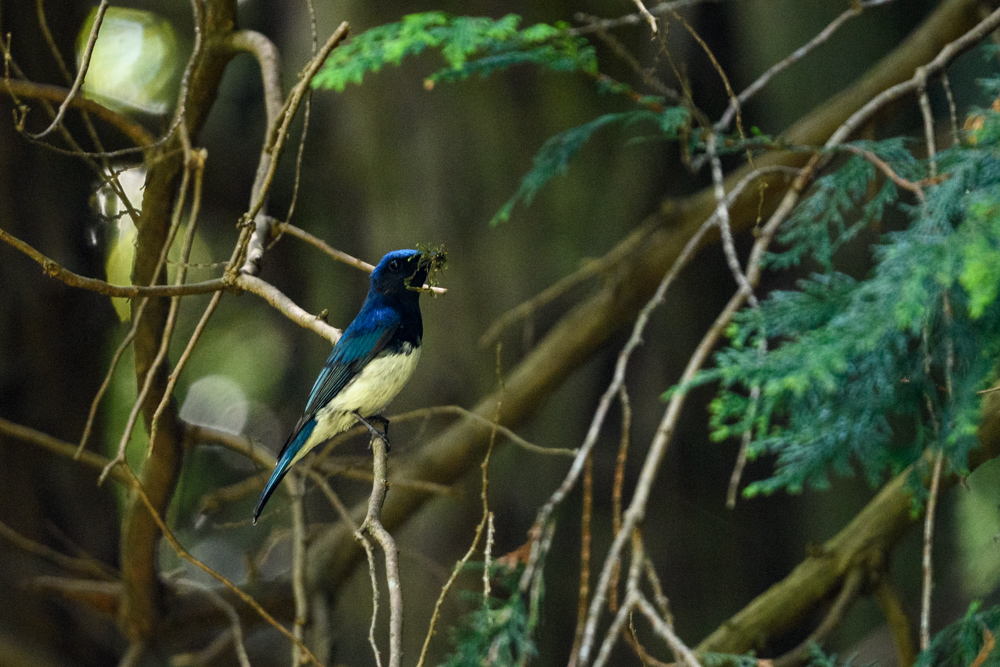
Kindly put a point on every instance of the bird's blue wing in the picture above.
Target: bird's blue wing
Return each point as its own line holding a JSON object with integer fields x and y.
{"x": 352, "y": 353}
{"x": 367, "y": 335}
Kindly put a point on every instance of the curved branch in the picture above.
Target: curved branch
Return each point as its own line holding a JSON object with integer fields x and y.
{"x": 289, "y": 308}
{"x": 269, "y": 59}
{"x": 134, "y": 131}
{"x": 54, "y": 270}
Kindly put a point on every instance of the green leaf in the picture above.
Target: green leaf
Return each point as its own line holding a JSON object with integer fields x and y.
{"x": 556, "y": 153}
{"x": 469, "y": 45}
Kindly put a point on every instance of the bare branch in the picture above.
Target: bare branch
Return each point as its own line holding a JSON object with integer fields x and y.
{"x": 586, "y": 327}
{"x": 370, "y": 553}
{"x": 82, "y": 73}
{"x": 134, "y": 131}
{"x": 945, "y": 56}
{"x": 236, "y": 629}
{"x": 253, "y": 244}
{"x": 926, "y": 561}
{"x": 297, "y": 485}
{"x": 665, "y": 631}
{"x": 636, "y": 18}
{"x": 339, "y": 255}
{"x": 185, "y": 555}
{"x": 62, "y": 448}
{"x": 650, "y": 19}
{"x": 87, "y": 566}
{"x": 286, "y": 306}
{"x": 373, "y": 526}
{"x": 54, "y": 270}
{"x": 884, "y": 167}
{"x": 925, "y": 111}
{"x": 822, "y": 36}
{"x": 269, "y": 59}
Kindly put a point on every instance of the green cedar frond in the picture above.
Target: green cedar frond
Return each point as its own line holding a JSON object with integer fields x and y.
{"x": 470, "y": 45}
{"x": 555, "y": 155}
{"x": 501, "y": 628}
{"x": 854, "y": 374}
{"x": 960, "y": 643}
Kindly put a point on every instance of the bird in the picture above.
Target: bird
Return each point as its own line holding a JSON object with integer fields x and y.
{"x": 368, "y": 366}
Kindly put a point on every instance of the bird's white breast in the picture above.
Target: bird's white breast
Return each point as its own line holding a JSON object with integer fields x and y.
{"x": 368, "y": 393}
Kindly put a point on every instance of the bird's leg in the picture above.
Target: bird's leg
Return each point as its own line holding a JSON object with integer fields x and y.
{"x": 372, "y": 429}
{"x": 381, "y": 419}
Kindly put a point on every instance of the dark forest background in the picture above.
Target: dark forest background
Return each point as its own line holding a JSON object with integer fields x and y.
{"x": 390, "y": 164}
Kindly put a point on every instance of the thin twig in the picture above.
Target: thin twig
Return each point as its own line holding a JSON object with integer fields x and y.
{"x": 62, "y": 448}
{"x": 81, "y": 74}
{"x": 650, "y": 19}
{"x": 185, "y": 355}
{"x": 617, "y": 488}
{"x": 339, "y": 255}
{"x": 370, "y": 553}
{"x": 168, "y": 327}
{"x": 611, "y": 637}
{"x": 286, "y": 306}
{"x": 636, "y": 18}
{"x": 251, "y": 245}
{"x": 796, "y": 55}
{"x": 621, "y": 364}
{"x": 185, "y": 555}
{"x": 952, "y": 110}
{"x": 636, "y": 509}
{"x": 926, "y": 561}
{"x": 54, "y": 270}
{"x": 884, "y": 167}
{"x": 297, "y": 486}
{"x": 235, "y": 628}
{"x": 136, "y": 133}
{"x": 945, "y": 56}
{"x": 486, "y": 518}
{"x": 115, "y": 359}
{"x": 584, "y": 589}
{"x": 925, "y": 111}
{"x": 373, "y": 526}
{"x": 86, "y": 566}
{"x": 664, "y": 629}
{"x": 585, "y": 272}
{"x": 195, "y": 160}
{"x": 331, "y": 495}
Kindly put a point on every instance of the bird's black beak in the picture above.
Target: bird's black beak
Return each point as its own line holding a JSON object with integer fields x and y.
{"x": 429, "y": 262}
{"x": 423, "y": 265}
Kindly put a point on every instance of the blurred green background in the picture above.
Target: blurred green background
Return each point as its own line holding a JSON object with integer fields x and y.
{"x": 389, "y": 164}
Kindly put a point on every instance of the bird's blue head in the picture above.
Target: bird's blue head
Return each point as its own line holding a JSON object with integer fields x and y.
{"x": 400, "y": 273}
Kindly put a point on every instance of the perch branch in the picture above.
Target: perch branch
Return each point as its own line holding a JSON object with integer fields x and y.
{"x": 373, "y": 526}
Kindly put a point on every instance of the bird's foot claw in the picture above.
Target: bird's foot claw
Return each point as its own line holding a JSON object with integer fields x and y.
{"x": 383, "y": 436}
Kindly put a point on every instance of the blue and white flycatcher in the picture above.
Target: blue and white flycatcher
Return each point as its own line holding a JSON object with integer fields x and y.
{"x": 369, "y": 365}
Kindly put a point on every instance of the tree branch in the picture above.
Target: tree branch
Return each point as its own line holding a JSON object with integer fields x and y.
{"x": 134, "y": 131}
{"x": 141, "y": 604}
{"x": 871, "y": 534}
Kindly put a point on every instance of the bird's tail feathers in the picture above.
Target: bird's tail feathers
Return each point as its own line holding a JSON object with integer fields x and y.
{"x": 288, "y": 454}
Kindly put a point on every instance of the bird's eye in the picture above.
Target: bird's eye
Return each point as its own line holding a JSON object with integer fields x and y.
{"x": 394, "y": 265}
